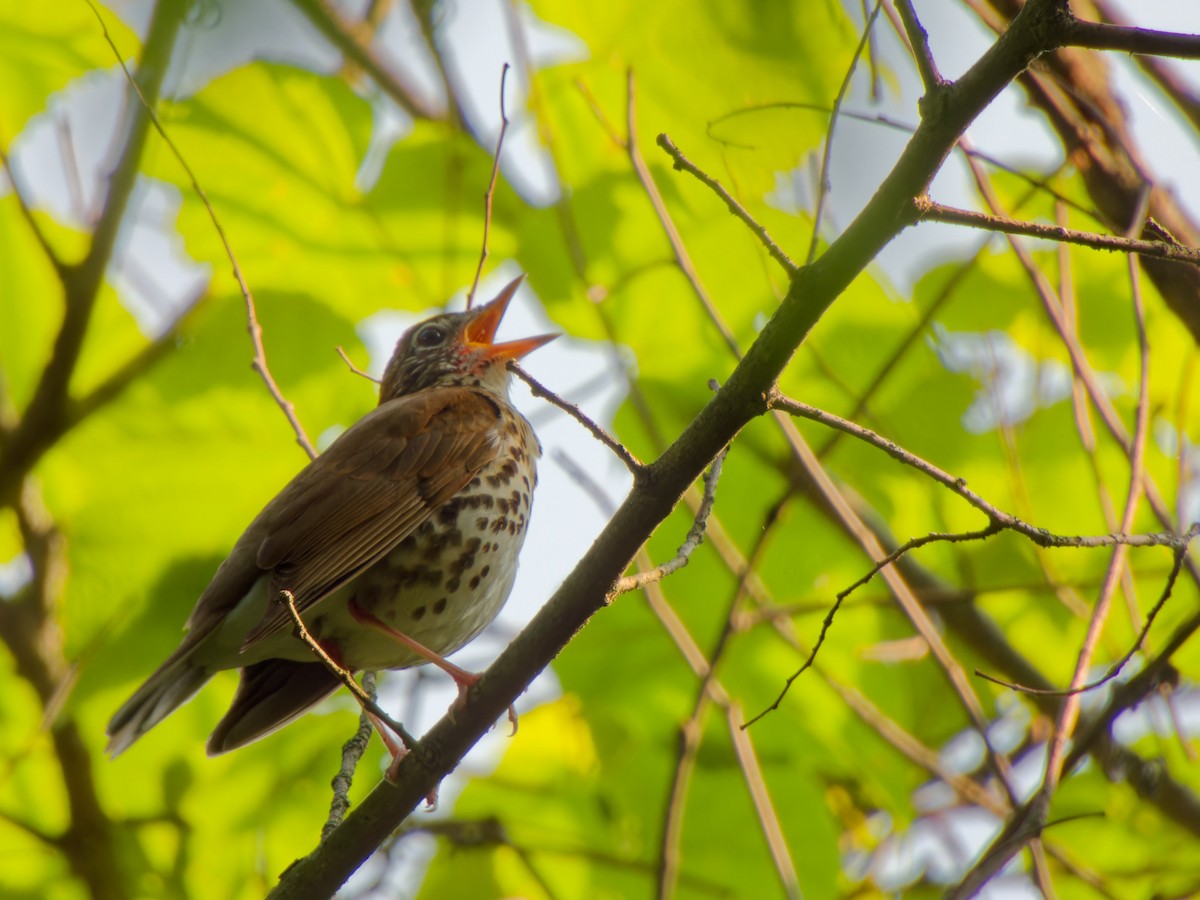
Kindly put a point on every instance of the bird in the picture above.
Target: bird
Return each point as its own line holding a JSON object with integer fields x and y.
{"x": 398, "y": 545}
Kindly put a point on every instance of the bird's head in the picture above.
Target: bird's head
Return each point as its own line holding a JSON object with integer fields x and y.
{"x": 457, "y": 349}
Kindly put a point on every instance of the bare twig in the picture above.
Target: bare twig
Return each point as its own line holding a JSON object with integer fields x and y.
{"x": 683, "y": 164}
{"x": 690, "y": 732}
{"x": 27, "y": 213}
{"x": 682, "y": 258}
{"x": 352, "y": 752}
{"x": 1070, "y": 710}
{"x": 919, "y": 41}
{"x": 760, "y": 796}
{"x": 353, "y": 368}
{"x": 932, "y": 211}
{"x": 695, "y": 536}
{"x": 345, "y": 677}
{"x": 1028, "y": 823}
{"x": 1001, "y": 519}
{"x": 823, "y": 184}
{"x": 598, "y": 111}
{"x": 632, "y": 463}
{"x": 904, "y": 548}
{"x": 259, "y": 363}
{"x": 491, "y": 188}
{"x": 329, "y": 22}
{"x": 1116, "y": 668}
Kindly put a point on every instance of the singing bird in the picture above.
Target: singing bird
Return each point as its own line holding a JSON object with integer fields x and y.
{"x": 398, "y": 544}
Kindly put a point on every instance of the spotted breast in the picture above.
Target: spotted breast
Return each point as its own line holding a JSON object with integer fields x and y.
{"x": 445, "y": 583}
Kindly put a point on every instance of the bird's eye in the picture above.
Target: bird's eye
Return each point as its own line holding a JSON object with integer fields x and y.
{"x": 430, "y": 336}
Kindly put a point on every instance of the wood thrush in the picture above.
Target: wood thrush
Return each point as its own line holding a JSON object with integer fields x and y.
{"x": 399, "y": 543}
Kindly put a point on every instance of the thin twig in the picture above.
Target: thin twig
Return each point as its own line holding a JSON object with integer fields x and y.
{"x": 632, "y": 463}
{"x": 598, "y": 111}
{"x": 1039, "y": 536}
{"x": 931, "y": 211}
{"x": 27, "y": 213}
{"x": 904, "y": 548}
{"x": 352, "y": 752}
{"x": 1040, "y": 183}
{"x": 70, "y": 165}
{"x": 918, "y": 40}
{"x": 586, "y": 483}
{"x": 760, "y": 796}
{"x": 491, "y": 189}
{"x": 678, "y": 248}
{"x": 326, "y": 19}
{"x": 691, "y": 731}
{"x": 1115, "y": 669}
{"x": 695, "y": 536}
{"x": 683, "y": 164}
{"x": 353, "y": 368}
{"x": 259, "y": 363}
{"x": 1028, "y": 822}
{"x": 823, "y": 185}
{"x": 344, "y": 676}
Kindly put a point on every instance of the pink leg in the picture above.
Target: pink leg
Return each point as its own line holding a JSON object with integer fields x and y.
{"x": 398, "y": 752}
{"x": 462, "y": 678}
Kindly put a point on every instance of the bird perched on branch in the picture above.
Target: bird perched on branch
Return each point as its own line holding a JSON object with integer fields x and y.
{"x": 398, "y": 544}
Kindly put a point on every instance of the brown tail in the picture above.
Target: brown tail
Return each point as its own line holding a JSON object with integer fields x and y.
{"x": 164, "y": 691}
{"x": 270, "y": 694}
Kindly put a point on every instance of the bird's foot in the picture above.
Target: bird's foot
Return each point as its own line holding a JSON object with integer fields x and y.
{"x": 464, "y": 681}
{"x": 391, "y": 774}
{"x": 398, "y": 751}
{"x": 462, "y": 678}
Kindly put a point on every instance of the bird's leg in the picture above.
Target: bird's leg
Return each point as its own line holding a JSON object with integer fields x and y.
{"x": 462, "y": 678}
{"x": 398, "y": 752}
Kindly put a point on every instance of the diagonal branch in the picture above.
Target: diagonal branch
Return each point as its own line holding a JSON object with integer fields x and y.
{"x": 683, "y": 164}
{"x": 632, "y": 463}
{"x": 329, "y": 22}
{"x": 740, "y": 399}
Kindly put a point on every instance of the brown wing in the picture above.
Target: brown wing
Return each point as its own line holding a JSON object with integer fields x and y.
{"x": 349, "y": 507}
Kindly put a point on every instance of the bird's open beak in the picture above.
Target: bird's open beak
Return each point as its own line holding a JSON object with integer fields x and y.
{"x": 481, "y": 330}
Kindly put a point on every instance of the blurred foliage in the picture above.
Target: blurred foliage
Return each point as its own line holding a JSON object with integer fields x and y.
{"x": 151, "y": 491}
